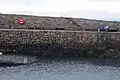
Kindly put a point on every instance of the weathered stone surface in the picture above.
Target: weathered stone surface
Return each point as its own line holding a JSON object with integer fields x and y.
{"x": 82, "y": 43}
{"x": 16, "y": 38}
{"x": 41, "y": 22}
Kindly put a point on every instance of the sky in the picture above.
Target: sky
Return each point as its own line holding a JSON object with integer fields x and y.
{"x": 92, "y": 9}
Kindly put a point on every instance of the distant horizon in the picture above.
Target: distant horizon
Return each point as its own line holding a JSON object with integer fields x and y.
{"x": 33, "y": 14}
{"x": 92, "y": 9}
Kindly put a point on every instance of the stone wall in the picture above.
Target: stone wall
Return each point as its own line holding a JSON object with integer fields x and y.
{"x": 38, "y": 36}
{"x": 37, "y": 42}
{"x": 40, "y": 22}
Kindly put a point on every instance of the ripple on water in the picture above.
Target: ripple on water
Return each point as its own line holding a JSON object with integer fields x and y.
{"x": 61, "y": 69}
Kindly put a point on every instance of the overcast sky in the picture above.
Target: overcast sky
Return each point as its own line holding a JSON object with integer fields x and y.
{"x": 96, "y": 9}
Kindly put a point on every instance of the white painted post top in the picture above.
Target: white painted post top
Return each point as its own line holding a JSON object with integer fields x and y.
{"x": 1, "y": 53}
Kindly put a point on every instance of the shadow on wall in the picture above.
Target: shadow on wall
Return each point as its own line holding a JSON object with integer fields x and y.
{"x": 103, "y": 47}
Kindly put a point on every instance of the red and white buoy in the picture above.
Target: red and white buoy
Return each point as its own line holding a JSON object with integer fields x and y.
{"x": 21, "y": 21}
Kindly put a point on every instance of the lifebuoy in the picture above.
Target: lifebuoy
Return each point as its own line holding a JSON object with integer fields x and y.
{"x": 21, "y": 21}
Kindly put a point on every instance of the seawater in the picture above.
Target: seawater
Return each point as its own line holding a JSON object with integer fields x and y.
{"x": 64, "y": 69}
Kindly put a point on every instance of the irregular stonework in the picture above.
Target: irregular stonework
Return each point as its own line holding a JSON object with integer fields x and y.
{"x": 38, "y": 36}
{"x": 82, "y": 43}
{"x": 10, "y": 21}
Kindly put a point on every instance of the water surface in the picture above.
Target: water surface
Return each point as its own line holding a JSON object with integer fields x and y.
{"x": 64, "y": 69}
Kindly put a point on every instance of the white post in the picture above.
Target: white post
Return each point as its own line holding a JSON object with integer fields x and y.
{"x": 98, "y": 30}
{"x": 25, "y": 60}
{"x": 1, "y": 53}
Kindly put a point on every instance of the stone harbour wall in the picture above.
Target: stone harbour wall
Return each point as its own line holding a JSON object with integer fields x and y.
{"x": 52, "y": 42}
{"x": 45, "y": 36}
{"x": 10, "y": 21}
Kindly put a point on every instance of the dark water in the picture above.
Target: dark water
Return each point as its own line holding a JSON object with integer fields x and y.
{"x": 64, "y": 69}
